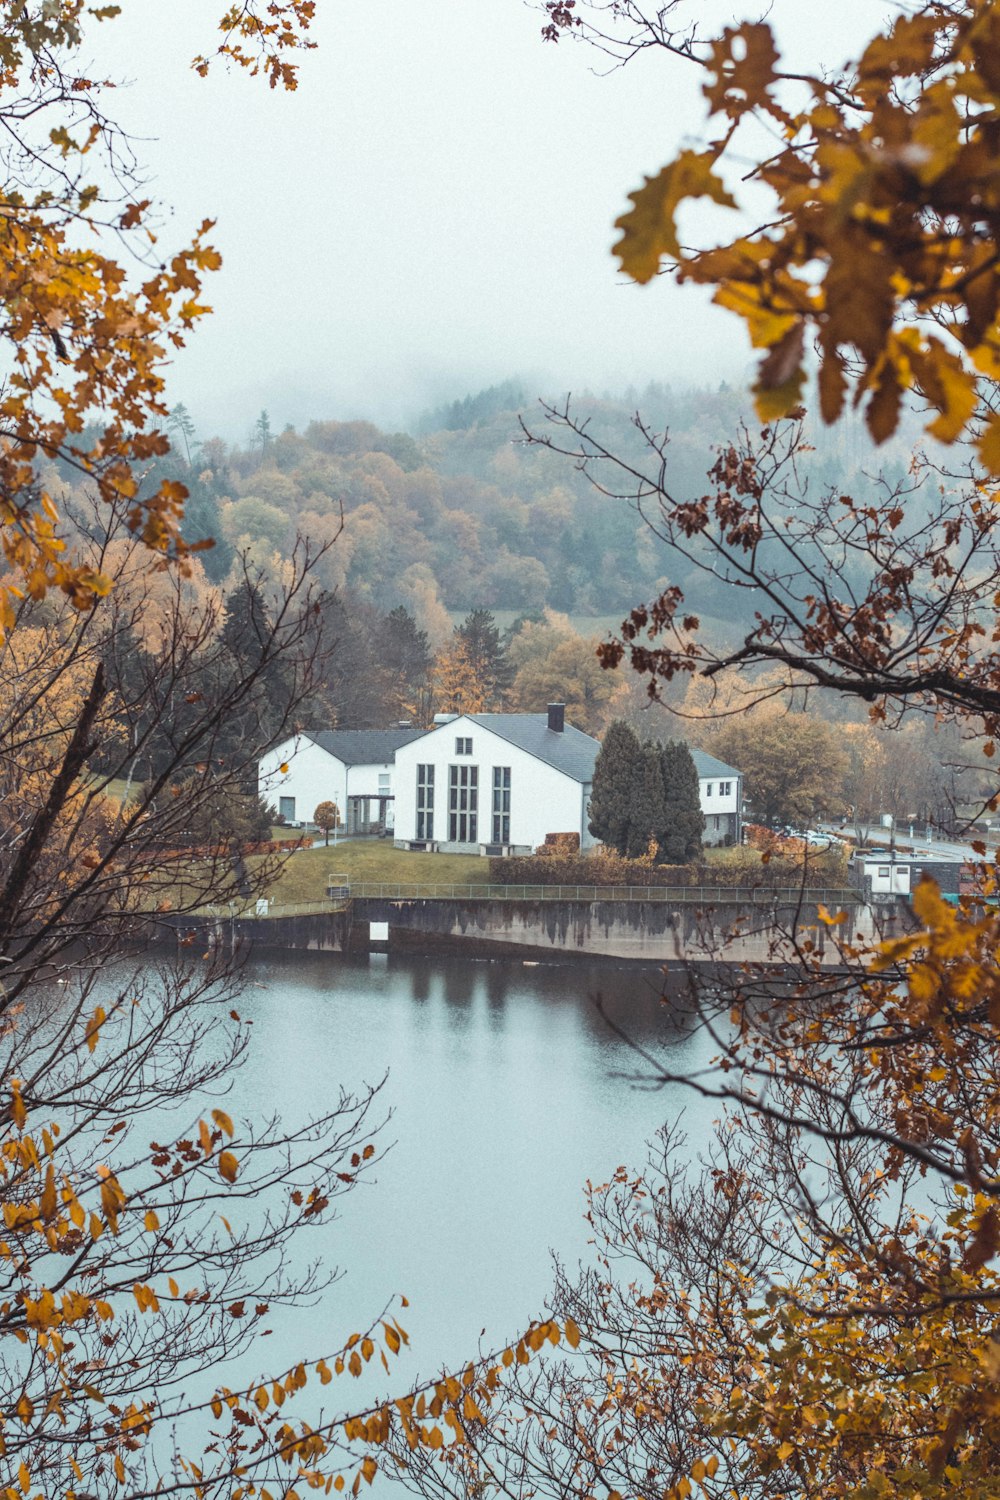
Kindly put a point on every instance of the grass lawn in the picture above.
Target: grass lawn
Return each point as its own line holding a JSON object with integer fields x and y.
{"x": 304, "y": 877}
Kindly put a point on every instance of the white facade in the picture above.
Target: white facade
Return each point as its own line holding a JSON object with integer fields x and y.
{"x": 720, "y": 790}
{"x": 297, "y": 775}
{"x": 463, "y": 786}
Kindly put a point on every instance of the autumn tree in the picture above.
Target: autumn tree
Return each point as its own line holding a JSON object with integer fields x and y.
{"x": 553, "y": 664}
{"x": 793, "y": 763}
{"x": 327, "y": 816}
{"x": 457, "y": 687}
{"x": 124, "y": 1288}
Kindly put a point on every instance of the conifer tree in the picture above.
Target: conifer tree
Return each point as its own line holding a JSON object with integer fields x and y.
{"x": 611, "y": 797}
{"x": 649, "y": 817}
{"x": 487, "y": 656}
{"x": 680, "y": 831}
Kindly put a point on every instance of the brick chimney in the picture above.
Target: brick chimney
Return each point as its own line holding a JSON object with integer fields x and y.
{"x": 557, "y": 717}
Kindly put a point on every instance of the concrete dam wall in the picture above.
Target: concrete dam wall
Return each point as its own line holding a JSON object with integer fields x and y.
{"x": 644, "y": 932}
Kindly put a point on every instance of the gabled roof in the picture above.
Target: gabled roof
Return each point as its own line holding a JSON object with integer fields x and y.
{"x": 363, "y": 747}
{"x": 571, "y": 752}
{"x": 707, "y": 766}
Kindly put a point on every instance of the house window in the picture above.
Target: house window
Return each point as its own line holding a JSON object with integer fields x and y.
{"x": 425, "y": 802}
{"x": 463, "y": 804}
{"x": 709, "y": 789}
{"x": 463, "y": 747}
{"x": 725, "y": 788}
{"x": 286, "y": 809}
{"x": 384, "y": 783}
{"x": 501, "y": 804}
{"x": 883, "y": 872}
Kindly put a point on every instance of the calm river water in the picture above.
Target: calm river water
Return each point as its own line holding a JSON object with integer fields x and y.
{"x": 507, "y": 1090}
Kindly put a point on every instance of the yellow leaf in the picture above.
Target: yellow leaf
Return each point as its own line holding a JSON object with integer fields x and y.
{"x": 572, "y": 1334}
{"x": 771, "y": 403}
{"x": 228, "y": 1166}
{"x": 649, "y": 230}
{"x": 94, "y": 1025}
{"x": 151, "y": 1221}
{"x": 223, "y": 1121}
{"x": 989, "y": 446}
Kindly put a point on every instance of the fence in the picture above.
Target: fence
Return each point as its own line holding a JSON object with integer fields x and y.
{"x": 686, "y": 895}
{"x": 702, "y": 895}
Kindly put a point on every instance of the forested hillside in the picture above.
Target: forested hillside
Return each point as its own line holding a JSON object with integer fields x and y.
{"x": 465, "y": 512}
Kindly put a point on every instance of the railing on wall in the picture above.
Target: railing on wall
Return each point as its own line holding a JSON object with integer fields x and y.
{"x": 701, "y": 895}
{"x": 342, "y": 893}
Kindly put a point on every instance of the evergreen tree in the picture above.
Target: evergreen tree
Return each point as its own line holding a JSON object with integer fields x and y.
{"x": 404, "y": 650}
{"x": 616, "y": 771}
{"x": 246, "y": 623}
{"x": 649, "y": 816}
{"x": 488, "y": 660}
{"x": 680, "y": 830}
{"x": 181, "y": 428}
{"x": 202, "y": 521}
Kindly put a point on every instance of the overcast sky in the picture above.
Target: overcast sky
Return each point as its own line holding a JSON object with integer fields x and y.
{"x": 430, "y": 213}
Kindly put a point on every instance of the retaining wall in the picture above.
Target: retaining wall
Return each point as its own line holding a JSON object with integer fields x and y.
{"x": 561, "y": 931}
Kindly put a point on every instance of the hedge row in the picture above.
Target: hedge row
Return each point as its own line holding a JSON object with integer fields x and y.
{"x": 579, "y": 869}
{"x": 742, "y": 867}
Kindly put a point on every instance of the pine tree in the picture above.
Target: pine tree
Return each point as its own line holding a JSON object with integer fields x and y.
{"x": 679, "y": 836}
{"x": 611, "y": 798}
{"x": 487, "y": 656}
{"x": 404, "y": 651}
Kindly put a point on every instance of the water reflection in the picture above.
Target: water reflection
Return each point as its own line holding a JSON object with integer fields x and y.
{"x": 508, "y": 1090}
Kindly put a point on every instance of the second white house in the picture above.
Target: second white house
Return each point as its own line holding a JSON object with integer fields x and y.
{"x": 350, "y": 767}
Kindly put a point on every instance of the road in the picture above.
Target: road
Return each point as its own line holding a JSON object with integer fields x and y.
{"x": 935, "y": 848}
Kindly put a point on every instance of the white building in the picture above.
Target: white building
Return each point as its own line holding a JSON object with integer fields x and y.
{"x": 495, "y": 782}
{"x": 351, "y": 767}
{"x": 721, "y": 790}
{"x": 476, "y": 783}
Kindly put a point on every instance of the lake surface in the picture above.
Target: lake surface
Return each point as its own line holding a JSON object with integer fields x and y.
{"x": 508, "y": 1090}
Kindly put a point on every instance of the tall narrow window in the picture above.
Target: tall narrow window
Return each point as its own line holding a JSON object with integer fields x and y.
{"x": 501, "y": 804}
{"x": 425, "y": 802}
{"x": 463, "y": 804}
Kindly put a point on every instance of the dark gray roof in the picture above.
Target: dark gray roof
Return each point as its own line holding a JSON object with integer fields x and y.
{"x": 706, "y": 765}
{"x": 363, "y": 747}
{"x": 571, "y": 752}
